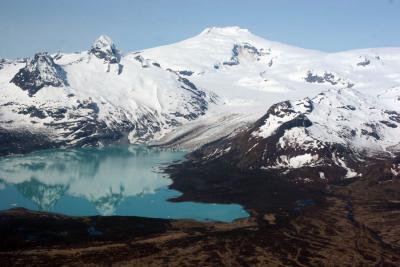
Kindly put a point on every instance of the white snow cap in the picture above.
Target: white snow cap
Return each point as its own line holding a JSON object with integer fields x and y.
{"x": 232, "y": 30}
{"x": 104, "y": 48}
{"x": 103, "y": 43}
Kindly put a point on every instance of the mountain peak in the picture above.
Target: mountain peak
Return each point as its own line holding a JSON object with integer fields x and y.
{"x": 41, "y": 71}
{"x": 103, "y": 41}
{"x": 231, "y": 30}
{"x": 42, "y": 58}
{"x": 104, "y": 48}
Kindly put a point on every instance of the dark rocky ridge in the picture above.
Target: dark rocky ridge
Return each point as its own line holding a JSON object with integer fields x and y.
{"x": 246, "y": 152}
{"x": 105, "y": 49}
{"x": 247, "y": 168}
{"x": 78, "y": 126}
{"x": 23, "y": 141}
{"x": 238, "y": 49}
{"x": 327, "y": 77}
{"x": 41, "y": 71}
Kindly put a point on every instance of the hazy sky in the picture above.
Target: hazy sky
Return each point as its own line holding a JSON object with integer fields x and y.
{"x": 29, "y": 26}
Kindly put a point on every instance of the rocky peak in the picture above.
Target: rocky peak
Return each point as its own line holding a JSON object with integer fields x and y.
{"x": 342, "y": 116}
{"x": 104, "y": 48}
{"x": 41, "y": 71}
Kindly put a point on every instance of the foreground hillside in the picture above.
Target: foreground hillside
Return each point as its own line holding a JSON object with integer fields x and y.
{"x": 356, "y": 224}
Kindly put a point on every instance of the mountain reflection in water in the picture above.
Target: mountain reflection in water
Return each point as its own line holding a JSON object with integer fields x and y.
{"x": 120, "y": 180}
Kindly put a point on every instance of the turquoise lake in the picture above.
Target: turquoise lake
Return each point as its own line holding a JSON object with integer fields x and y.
{"x": 114, "y": 180}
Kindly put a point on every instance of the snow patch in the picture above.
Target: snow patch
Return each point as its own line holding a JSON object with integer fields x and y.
{"x": 350, "y": 173}
{"x": 298, "y": 161}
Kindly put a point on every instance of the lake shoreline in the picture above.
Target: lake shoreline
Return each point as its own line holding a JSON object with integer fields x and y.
{"x": 114, "y": 180}
{"x": 346, "y": 229}
{"x": 354, "y": 222}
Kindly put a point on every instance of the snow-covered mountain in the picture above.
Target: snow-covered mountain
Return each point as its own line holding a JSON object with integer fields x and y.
{"x": 184, "y": 94}
{"x": 93, "y": 97}
{"x": 328, "y": 137}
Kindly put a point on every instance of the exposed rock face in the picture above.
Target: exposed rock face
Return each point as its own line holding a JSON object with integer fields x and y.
{"x": 22, "y": 141}
{"x": 323, "y": 138}
{"x": 41, "y": 71}
{"x": 104, "y": 48}
{"x": 77, "y": 125}
{"x": 364, "y": 63}
{"x": 326, "y": 77}
{"x": 246, "y": 50}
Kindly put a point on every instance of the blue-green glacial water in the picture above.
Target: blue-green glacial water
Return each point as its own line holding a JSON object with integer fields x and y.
{"x": 115, "y": 180}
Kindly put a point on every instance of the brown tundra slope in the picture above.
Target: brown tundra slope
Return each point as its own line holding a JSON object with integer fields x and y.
{"x": 346, "y": 224}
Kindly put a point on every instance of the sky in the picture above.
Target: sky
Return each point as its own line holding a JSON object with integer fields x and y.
{"x": 29, "y": 26}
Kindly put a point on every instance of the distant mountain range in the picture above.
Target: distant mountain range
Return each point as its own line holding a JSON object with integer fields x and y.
{"x": 219, "y": 83}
